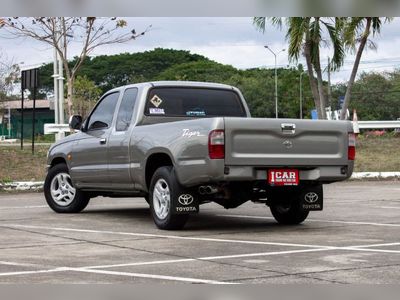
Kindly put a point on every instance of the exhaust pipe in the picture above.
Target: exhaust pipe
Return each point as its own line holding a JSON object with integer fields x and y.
{"x": 202, "y": 190}
{"x": 208, "y": 190}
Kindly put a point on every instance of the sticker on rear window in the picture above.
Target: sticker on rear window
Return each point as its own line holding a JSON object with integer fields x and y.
{"x": 156, "y": 101}
{"x": 196, "y": 113}
{"x": 157, "y": 111}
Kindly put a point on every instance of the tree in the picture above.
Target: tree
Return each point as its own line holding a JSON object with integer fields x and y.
{"x": 374, "y": 95}
{"x": 59, "y": 32}
{"x": 358, "y": 30}
{"x": 208, "y": 71}
{"x": 86, "y": 94}
{"x": 256, "y": 84}
{"x": 110, "y": 71}
{"x": 9, "y": 75}
{"x": 305, "y": 36}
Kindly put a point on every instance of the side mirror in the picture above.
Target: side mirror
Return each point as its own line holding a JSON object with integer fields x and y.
{"x": 75, "y": 122}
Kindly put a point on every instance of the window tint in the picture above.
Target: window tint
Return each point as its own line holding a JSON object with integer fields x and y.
{"x": 194, "y": 102}
{"x": 125, "y": 112}
{"x": 103, "y": 114}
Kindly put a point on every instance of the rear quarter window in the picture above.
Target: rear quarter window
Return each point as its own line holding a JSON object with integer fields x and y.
{"x": 193, "y": 102}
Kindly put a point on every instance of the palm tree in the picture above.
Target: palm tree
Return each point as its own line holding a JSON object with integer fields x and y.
{"x": 305, "y": 36}
{"x": 358, "y": 30}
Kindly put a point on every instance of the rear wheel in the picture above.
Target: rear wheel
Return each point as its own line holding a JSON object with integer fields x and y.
{"x": 289, "y": 213}
{"x": 163, "y": 188}
{"x": 60, "y": 193}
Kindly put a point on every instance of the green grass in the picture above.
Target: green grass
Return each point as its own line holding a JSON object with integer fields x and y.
{"x": 21, "y": 165}
{"x": 378, "y": 154}
{"x": 374, "y": 154}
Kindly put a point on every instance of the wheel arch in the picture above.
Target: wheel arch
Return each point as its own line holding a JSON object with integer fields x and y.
{"x": 155, "y": 161}
{"x": 58, "y": 160}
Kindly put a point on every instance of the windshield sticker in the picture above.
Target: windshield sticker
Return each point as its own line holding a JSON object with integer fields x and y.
{"x": 201, "y": 113}
{"x": 156, "y": 101}
{"x": 157, "y": 111}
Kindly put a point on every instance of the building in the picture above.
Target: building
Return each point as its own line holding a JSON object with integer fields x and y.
{"x": 44, "y": 113}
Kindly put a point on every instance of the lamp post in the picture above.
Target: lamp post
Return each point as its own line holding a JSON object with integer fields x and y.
{"x": 276, "y": 79}
{"x": 301, "y": 95}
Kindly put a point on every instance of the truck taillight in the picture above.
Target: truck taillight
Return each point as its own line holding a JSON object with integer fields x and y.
{"x": 216, "y": 144}
{"x": 352, "y": 147}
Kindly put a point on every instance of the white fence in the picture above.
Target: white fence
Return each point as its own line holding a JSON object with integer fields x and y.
{"x": 56, "y": 128}
{"x": 378, "y": 124}
{"x": 357, "y": 125}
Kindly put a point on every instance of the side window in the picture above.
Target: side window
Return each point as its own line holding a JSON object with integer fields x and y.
{"x": 102, "y": 116}
{"x": 125, "y": 112}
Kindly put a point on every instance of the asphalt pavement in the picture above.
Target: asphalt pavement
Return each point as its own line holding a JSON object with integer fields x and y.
{"x": 356, "y": 239}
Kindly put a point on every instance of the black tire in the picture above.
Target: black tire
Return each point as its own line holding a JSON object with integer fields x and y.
{"x": 171, "y": 221}
{"x": 289, "y": 213}
{"x": 78, "y": 202}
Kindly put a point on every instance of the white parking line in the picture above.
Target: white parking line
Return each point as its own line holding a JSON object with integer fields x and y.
{"x": 369, "y": 250}
{"x": 105, "y": 272}
{"x": 176, "y": 237}
{"x": 33, "y": 272}
{"x": 22, "y": 207}
{"x": 377, "y": 245}
{"x": 116, "y": 205}
{"x": 151, "y": 276}
{"x": 390, "y": 207}
{"x": 169, "y": 261}
{"x": 352, "y": 248}
{"x": 316, "y": 220}
{"x": 11, "y": 263}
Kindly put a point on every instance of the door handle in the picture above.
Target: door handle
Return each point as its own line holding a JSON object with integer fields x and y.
{"x": 288, "y": 128}
{"x": 103, "y": 141}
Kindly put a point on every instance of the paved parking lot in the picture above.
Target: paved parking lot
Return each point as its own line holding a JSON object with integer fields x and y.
{"x": 356, "y": 239}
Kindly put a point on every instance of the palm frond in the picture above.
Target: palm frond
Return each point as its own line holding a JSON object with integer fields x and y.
{"x": 351, "y": 31}
{"x": 338, "y": 47}
{"x": 315, "y": 40}
{"x": 297, "y": 28}
{"x": 276, "y": 21}
{"x": 260, "y": 23}
{"x": 376, "y": 25}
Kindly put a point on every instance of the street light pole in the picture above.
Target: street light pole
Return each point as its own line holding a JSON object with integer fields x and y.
{"x": 276, "y": 79}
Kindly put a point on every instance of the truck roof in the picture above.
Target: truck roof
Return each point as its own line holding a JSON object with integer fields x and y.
{"x": 177, "y": 83}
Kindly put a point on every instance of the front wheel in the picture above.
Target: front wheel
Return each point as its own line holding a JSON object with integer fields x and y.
{"x": 163, "y": 188}
{"x": 60, "y": 193}
{"x": 290, "y": 213}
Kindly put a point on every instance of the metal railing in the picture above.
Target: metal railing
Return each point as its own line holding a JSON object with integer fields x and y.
{"x": 357, "y": 125}
{"x": 378, "y": 124}
{"x": 55, "y": 128}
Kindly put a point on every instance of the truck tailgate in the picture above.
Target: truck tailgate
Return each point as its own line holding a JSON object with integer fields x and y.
{"x": 285, "y": 142}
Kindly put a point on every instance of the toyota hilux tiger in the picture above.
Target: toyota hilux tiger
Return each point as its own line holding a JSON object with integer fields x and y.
{"x": 179, "y": 145}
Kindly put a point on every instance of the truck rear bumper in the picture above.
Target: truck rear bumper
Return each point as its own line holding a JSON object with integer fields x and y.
{"x": 207, "y": 171}
{"x": 321, "y": 174}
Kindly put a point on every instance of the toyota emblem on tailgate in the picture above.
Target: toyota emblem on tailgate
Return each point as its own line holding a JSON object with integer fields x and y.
{"x": 185, "y": 199}
{"x": 288, "y": 144}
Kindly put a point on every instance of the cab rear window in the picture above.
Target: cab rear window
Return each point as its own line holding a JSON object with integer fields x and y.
{"x": 193, "y": 102}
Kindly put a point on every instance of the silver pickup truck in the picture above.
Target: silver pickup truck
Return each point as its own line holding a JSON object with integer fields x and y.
{"x": 183, "y": 144}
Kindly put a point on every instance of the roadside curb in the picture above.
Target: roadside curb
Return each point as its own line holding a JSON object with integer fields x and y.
{"x": 32, "y": 186}
{"x": 375, "y": 175}
{"x": 37, "y": 186}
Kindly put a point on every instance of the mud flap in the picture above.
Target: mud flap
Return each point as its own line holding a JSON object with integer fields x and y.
{"x": 312, "y": 198}
{"x": 185, "y": 202}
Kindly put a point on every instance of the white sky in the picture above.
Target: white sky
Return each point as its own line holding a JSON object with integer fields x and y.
{"x": 233, "y": 41}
